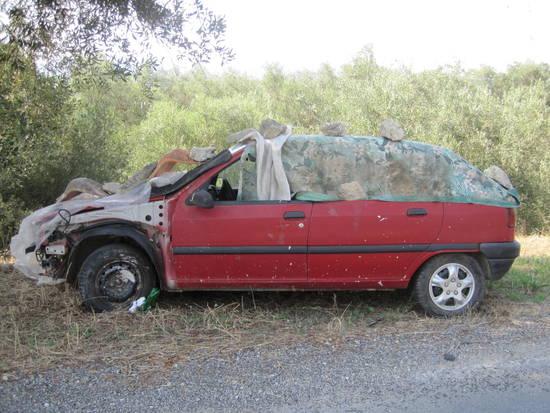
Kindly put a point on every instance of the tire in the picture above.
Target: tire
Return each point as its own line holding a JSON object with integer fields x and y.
{"x": 113, "y": 276}
{"x": 449, "y": 285}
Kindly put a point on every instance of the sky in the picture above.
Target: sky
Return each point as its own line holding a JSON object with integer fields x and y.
{"x": 303, "y": 34}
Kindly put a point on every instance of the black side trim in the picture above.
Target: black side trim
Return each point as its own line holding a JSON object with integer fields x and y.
{"x": 499, "y": 267}
{"x": 258, "y": 202}
{"x": 322, "y": 249}
{"x": 278, "y": 249}
{"x": 500, "y": 250}
{"x": 465, "y": 246}
{"x": 193, "y": 174}
{"x": 366, "y": 249}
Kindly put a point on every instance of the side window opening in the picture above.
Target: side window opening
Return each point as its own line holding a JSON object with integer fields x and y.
{"x": 237, "y": 182}
{"x": 225, "y": 185}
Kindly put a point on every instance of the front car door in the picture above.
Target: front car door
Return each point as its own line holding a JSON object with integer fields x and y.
{"x": 238, "y": 244}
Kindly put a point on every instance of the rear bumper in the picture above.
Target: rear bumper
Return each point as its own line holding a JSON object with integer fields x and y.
{"x": 500, "y": 257}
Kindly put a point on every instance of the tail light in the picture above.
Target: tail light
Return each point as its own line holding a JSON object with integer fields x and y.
{"x": 511, "y": 217}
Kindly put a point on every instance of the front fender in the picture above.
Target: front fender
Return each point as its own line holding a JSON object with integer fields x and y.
{"x": 86, "y": 240}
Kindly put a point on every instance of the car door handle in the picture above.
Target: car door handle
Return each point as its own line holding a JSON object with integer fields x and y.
{"x": 294, "y": 215}
{"x": 416, "y": 212}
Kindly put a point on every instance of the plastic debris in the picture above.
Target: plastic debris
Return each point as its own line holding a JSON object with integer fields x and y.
{"x": 151, "y": 300}
{"x": 145, "y": 303}
{"x": 136, "y": 304}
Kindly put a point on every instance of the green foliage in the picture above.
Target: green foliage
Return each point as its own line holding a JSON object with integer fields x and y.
{"x": 92, "y": 125}
{"x": 528, "y": 280}
{"x": 70, "y": 35}
{"x": 486, "y": 117}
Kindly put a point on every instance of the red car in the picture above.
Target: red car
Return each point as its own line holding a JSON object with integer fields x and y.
{"x": 194, "y": 234}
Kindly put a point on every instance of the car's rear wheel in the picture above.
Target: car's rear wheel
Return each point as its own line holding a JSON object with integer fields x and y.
{"x": 449, "y": 285}
{"x": 113, "y": 276}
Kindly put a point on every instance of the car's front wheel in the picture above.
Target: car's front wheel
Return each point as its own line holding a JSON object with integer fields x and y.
{"x": 449, "y": 285}
{"x": 113, "y": 276}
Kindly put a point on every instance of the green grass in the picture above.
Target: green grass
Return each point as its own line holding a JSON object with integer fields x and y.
{"x": 528, "y": 280}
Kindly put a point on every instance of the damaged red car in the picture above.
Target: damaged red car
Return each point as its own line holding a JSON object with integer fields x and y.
{"x": 291, "y": 213}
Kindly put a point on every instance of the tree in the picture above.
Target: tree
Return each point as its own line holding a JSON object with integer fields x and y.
{"x": 62, "y": 35}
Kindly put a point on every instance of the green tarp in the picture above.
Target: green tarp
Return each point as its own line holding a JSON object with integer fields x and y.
{"x": 323, "y": 168}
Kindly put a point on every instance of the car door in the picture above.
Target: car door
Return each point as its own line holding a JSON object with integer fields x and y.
{"x": 236, "y": 244}
{"x": 369, "y": 243}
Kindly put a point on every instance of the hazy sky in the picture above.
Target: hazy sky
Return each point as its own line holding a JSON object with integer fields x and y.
{"x": 302, "y": 34}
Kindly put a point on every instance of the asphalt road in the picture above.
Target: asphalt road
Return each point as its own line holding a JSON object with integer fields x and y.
{"x": 496, "y": 369}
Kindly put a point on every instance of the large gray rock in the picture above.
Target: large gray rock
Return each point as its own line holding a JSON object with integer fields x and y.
{"x": 270, "y": 129}
{"x": 334, "y": 129}
{"x": 202, "y": 154}
{"x": 140, "y": 176}
{"x": 391, "y": 130}
{"x": 237, "y": 136}
{"x": 497, "y": 174}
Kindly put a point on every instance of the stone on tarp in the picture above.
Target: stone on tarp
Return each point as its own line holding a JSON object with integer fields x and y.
{"x": 334, "y": 129}
{"x": 82, "y": 186}
{"x": 270, "y": 129}
{"x": 237, "y": 136}
{"x": 202, "y": 154}
{"x": 140, "y": 176}
{"x": 391, "y": 130}
{"x": 498, "y": 175}
{"x": 350, "y": 191}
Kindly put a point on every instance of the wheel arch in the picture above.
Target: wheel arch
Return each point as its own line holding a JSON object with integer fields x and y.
{"x": 477, "y": 255}
{"x": 91, "y": 238}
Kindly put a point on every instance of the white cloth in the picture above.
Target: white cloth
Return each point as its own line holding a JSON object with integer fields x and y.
{"x": 271, "y": 180}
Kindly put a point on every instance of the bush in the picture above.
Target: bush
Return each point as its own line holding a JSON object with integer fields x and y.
{"x": 56, "y": 129}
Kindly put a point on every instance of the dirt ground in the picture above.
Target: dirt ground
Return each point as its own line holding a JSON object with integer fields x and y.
{"x": 45, "y": 327}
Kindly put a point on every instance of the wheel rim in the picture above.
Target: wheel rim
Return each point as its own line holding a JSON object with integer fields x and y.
{"x": 118, "y": 281}
{"x": 452, "y": 286}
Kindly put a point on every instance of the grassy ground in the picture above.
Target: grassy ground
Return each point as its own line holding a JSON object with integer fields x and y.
{"x": 42, "y": 327}
{"x": 529, "y": 278}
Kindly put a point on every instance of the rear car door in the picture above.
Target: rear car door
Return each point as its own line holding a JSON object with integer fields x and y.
{"x": 236, "y": 244}
{"x": 369, "y": 243}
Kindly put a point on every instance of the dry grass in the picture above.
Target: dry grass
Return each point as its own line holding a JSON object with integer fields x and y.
{"x": 535, "y": 245}
{"x": 45, "y": 326}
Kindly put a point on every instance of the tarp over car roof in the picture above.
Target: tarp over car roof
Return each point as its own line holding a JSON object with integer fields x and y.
{"x": 322, "y": 168}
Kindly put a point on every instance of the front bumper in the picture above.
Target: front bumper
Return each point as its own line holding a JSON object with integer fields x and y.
{"x": 500, "y": 257}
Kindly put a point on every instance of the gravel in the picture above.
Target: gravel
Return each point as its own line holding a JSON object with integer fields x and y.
{"x": 493, "y": 368}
